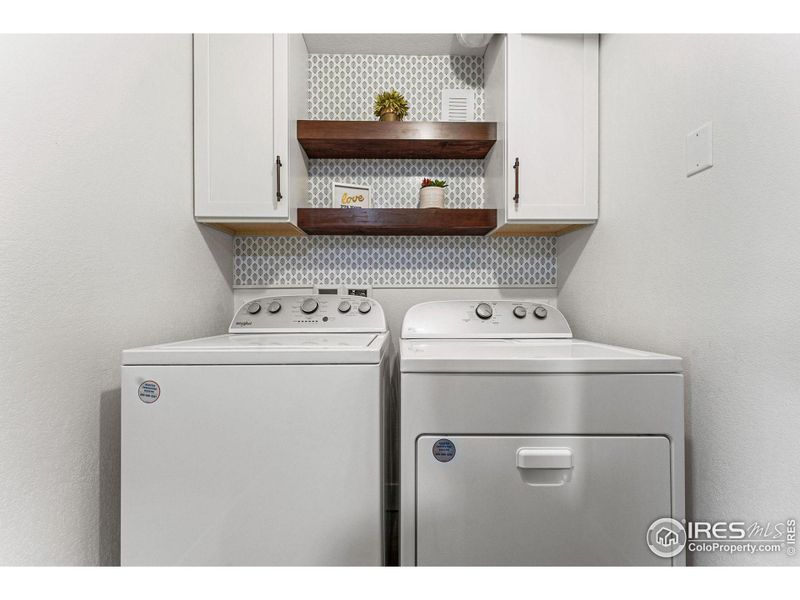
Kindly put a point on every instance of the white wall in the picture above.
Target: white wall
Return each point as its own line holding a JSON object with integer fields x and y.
{"x": 706, "y": 267}
{"x": 99, "y": 252}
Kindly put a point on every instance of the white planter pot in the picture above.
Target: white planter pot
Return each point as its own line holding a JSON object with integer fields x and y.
{"x": 431, "y": 197}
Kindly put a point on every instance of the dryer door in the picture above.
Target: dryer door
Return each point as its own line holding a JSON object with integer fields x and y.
{"x": 509, "y": 500}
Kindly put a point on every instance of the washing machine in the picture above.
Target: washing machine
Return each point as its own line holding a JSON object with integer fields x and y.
{"x": 520, "y": 445}
{"x": 263, "y": 446}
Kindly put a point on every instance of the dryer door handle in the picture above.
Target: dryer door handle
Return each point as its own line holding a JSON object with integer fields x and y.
{"x": 544, "y": 458}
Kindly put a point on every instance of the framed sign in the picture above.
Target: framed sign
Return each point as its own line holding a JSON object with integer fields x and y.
{"x": 347, "y": 195}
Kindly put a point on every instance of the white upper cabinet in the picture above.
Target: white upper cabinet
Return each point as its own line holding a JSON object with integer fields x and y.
{"x": 247, "y": 160}
{"x": 551, "y": 130}
{"x": 251, "y": 173}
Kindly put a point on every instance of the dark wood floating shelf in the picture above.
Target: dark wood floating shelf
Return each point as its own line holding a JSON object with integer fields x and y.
{"x": 396, "y": 221}
{"x": 396, "y": 139}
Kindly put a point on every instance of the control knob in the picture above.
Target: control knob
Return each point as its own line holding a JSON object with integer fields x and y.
{"x": 520, "y": 312}
{"x": 274, "y": 306}
{"x": 364, "y": 307}
{"x": 540, "y": 312}
{"x": 253, "y": 308}
{"x": 344, "y": 306}
{"x": 483, "y": 310}
{"x": 309, "y": 306}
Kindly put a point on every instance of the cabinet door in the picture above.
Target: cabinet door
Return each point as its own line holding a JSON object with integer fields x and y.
{"x": 572, "y": 500}
{"x": 552, "y": 127}
{"x": 235, "y": 158}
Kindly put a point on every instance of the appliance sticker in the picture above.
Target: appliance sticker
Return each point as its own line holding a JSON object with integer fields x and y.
{"x": 149, "y": 391}
{"x": 444, "y": 450}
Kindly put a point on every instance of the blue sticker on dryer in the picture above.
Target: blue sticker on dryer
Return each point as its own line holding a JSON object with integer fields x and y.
{"x": 149, "y": 391}
{"x": 444, "y": 450}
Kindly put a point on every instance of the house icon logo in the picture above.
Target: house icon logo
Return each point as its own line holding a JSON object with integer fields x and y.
{"x": 666, "y": 537}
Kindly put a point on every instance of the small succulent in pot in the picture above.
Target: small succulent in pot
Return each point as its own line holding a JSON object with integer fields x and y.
{"x": 431, "y": 193}
{"x": 390, "y": 106}
{"x": 434, "y": 183}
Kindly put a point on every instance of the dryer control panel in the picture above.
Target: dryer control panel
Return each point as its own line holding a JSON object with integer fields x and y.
{"x": 312, "y": 313}
{"x": 499, "y": 319}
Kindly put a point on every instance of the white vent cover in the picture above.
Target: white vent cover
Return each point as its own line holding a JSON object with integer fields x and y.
{"x": 458, "y": 105}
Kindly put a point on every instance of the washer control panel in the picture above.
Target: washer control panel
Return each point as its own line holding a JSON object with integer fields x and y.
{"x": 501, "y": 319}
{"x": 311, "y": 313}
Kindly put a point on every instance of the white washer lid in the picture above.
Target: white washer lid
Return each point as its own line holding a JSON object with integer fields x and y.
{"x": 265, "y": 349}
{"x": 529, "y": 356}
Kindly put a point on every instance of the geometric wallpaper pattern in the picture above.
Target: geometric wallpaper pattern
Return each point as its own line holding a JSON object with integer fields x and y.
{"x": 395, "y": 183}
{"x": 395, "y": 261}
{"x": 342, "y": 87}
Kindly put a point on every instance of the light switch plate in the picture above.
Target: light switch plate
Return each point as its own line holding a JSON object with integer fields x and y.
{"x": 698, "y": 150}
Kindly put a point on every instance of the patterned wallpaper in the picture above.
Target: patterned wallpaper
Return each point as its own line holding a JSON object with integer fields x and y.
{"x": 343, "y": 87}
{"x": 395, "y": 183}
{"x": 393, "y": 261}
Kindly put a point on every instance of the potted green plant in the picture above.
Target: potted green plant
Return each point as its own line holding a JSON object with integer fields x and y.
{"x": 390, "y": 106}
{"x": 431, "y": 193}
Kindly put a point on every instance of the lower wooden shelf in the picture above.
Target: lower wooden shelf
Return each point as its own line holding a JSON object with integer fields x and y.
{"x": 396, "y": 221}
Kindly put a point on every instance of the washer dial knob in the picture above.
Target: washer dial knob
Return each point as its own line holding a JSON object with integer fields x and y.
{"x": 520, "y": 312}
{"x": 344, "y": 306}
{"x": 364, "y": 307}
{"x": 253, "y": 308}
{"x": 483, "y": 310}
{"x": 274, "y": 306}
{"x": 540, "y": 312}
{"x": 309, "y": 306}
